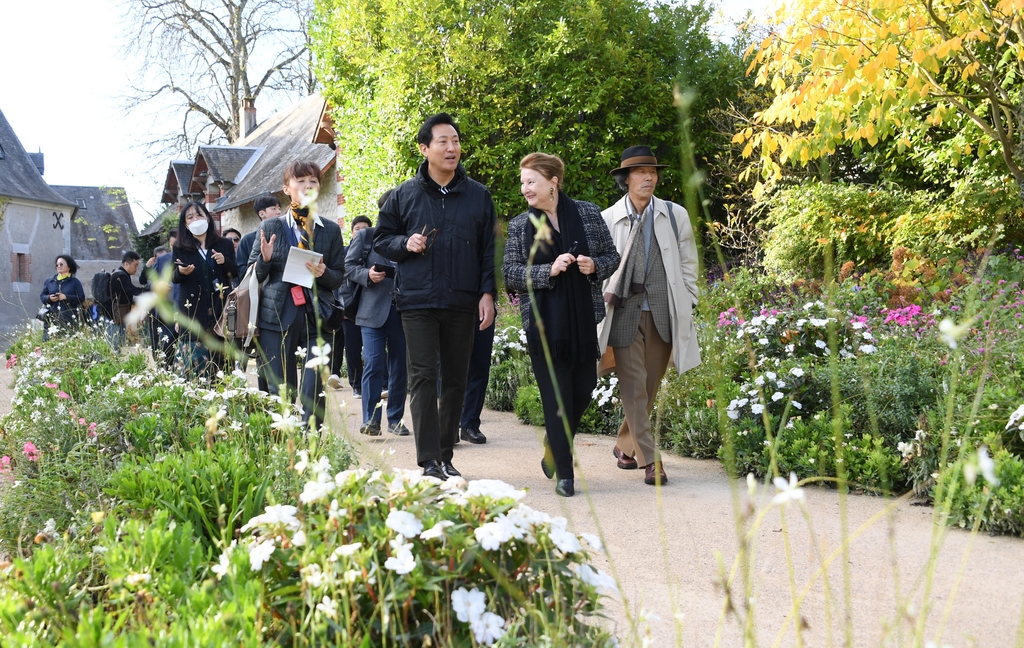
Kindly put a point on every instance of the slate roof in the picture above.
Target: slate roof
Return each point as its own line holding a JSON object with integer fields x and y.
{"x": 229, "y": 163}
{"x": 285, "y": 137}
{"x": 102, "y": 229}
{"x": 19, "y": 177}
{"x": 157, "y": 225}
{"x": 179, "y": 174}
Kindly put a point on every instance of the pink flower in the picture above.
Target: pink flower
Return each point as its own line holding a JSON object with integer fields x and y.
{"x": 5, "y": 463}
{"x": 12, "y": 361}
{"x": 31, "y": 451}
{"x": 63, "y": 394}
{"x": 38, "y": 351}
{"x": 51, "y": 385}
{"x": 81, "y": 421}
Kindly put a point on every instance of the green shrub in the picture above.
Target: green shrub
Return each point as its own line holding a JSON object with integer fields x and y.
{"x": 529, "y": 409}
{"x": 998, "y": 509}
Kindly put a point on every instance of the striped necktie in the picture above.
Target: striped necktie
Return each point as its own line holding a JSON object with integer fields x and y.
{"x": 305, "y": 225}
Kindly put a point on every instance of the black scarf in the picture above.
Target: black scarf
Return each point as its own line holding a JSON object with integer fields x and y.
{"x": 567, "y": 309}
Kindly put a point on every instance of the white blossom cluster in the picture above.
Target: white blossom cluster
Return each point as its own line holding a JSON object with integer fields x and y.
{"x": 772, "y": 385}
{"x": 506, "y": 341}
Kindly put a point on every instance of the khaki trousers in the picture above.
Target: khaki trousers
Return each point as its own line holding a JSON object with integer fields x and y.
{"x": 640, "y": 368}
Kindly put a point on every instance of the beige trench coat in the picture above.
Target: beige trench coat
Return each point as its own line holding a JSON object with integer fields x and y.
{"x": 680, "y": 257}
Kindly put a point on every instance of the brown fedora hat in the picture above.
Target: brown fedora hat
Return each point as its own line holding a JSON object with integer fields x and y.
{"x": 638, "y": 156}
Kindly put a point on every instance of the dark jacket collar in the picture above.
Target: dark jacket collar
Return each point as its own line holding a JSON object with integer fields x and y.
{"x": 431, "y": 186}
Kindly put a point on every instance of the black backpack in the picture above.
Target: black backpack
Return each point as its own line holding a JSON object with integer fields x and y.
{"x": 101, "y": 287}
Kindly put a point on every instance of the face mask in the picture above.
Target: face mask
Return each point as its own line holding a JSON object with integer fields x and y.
{"x": 198, "y": 228}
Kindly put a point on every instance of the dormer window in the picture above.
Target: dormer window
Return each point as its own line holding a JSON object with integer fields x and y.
{"x": 81, "y": 203}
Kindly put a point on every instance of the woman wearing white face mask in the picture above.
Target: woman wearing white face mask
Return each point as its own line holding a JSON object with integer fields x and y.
{"x": 204, "y": 267}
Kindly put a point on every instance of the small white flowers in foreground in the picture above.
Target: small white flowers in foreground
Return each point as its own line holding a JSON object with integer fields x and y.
{"x": 867, "y": 348}
{"x": 950, "y": 332}
{"x": 777, "y": 396}
{"x": 259, "y": 553}
{"x": 984, "y": 465}
{"x": 299, "y": 539}
{"x": 566, "y": 541}
{"x": 137, "y": 579}
{"x": 593, "y": 540}
{"x": 596, "y": 578}
{"x": 788, "y": 491}
{"x": 820, "y": 344}
{"x": 328, "y": 607}
{"x": 436, "y": 531}
{"x": 303, "y": 462}
{"x": 797, "y": 371}
{"x": 470, "y": 607}
{"x": 314, "y": 491}
{"x": 274, "y": 515}
{"x": 493, "y": 488}
{"x": 348, "y": 550}
{"x": 321, "y": 357}
{"x": 402, "y": 562}
{"x": 223, "y": 566}
{"x": 757, "y": 408}
{"x": 1017, "y": 419}
{"x": 404, "y": 523}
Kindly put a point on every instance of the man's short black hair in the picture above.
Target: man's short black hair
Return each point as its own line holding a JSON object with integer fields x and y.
{"x": 129, "y": 256}
{"x": 232, "y": 229}
{"x": 384, "y": 198}
{"x": 173, "y": 234}
{"x": 361, "y": 219}
{"x": 264, "y": 203}
{"x": 426, "y": 134}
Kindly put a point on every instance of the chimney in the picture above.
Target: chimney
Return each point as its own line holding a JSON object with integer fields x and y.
{"x": 37, "y": 160}
{"x": 247, "y": 121}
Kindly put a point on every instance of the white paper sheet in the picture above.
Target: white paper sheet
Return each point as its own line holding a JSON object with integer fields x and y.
{"x": 295, "y": 270}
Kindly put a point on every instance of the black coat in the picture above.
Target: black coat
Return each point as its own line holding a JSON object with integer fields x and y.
{"x": 458, "y": 267}
{"x": 201, "y": 293}
{"x": 65, "y": 309}
{"x": 122, "y": 290}
{"x": 276, "y": 310}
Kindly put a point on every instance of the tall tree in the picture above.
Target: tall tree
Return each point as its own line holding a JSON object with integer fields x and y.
{"x": 206, "y": 57}
{"x": 580, "y": 79}
{"x": 940, "y": 76}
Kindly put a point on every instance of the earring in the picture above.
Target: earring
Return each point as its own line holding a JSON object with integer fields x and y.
{"x": 552, "y": 193}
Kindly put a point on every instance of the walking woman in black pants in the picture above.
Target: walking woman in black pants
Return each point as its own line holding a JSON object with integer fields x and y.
{"x": 567, "y": 272}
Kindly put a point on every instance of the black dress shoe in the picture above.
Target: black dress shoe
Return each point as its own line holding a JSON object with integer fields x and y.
{"x": 449, "y": 470}
{"x": 432, "y": 468}
{"x": 546, "y": 468}
{"x": 565, "y": 488}
{"x": 473, "y": 436}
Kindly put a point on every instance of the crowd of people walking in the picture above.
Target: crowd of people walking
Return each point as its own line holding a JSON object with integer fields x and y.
{"x": 410, "y": 301}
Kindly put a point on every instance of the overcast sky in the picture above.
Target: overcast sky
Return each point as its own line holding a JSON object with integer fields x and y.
{"x": 62, "y": 85}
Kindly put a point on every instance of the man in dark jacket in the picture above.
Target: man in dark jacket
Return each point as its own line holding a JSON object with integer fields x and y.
{"x": 439, "y": 229}
{"x": 123, "y": 293}
{"x": 266, "y": 207}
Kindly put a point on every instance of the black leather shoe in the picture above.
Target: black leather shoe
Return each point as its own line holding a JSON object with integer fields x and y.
{"x": 565, "y": 488}
{"x": 473, "y": 436}
{"x": 449, "y": 470}
{"x": 548, "y": 472}
{"x": 432, "y": 468}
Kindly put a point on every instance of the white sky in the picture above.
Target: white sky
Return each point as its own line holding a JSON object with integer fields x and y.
{"x": 61, "y": 86}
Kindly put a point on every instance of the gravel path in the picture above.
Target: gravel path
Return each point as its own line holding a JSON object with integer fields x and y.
{"x": 664, "y": 548}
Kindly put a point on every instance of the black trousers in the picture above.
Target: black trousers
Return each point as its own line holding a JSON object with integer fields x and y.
{"x": 430, "y": 334}
{"x": 576, "y": 385}
{"x": 337, "y": 350}
{"x": 479, "y": 374}
{"x": 353, "y": 353}
{"x": 279, "y": 364}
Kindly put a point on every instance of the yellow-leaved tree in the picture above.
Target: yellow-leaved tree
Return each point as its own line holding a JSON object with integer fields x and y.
{"x": 859, "y": 72}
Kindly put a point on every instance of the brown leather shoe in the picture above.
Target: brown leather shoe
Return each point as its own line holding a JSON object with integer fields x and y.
{"x": 649, "y": 473}
{"x": 624, "y": 461}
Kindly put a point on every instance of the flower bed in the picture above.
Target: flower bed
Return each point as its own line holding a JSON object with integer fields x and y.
{"x": 142, "y": 508}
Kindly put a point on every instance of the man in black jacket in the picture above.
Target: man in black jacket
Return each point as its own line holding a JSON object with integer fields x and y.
{"x": 439, "y": 229}
{"x": 123, "y": 293}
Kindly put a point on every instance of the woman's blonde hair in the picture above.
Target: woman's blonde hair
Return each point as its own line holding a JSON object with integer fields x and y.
{"x": 549, "y": 166}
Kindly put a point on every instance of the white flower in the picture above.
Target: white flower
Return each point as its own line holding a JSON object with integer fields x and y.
{"x": 299, "y": 539}
{"x": 757, "y": 408}
{"x": 818, "y": 322}
{"x": 347, "y": 550}
{"x": 987, "y": 466}
{"x": 566, "y": 541}
{"x": 494, "y": 489}
{"x": 788, "y": 491}
{"x": 763, "y": 341}
{"x": 402, "y": 562}
{"x": 404, "y": 523}
{"x": 867, "y": 348}
{"x": 313, "y": 576}
{"x": 906, "y": 449}
{"x": 593, "y": 540}
{"x": 494, "y": 533}
{"x": 436, "y": 531}
{"x": 733, "y": 414}
{"x": 300, "y": 352}
{"x": 820, "y": 344}
{"x": 759, "y": 381}
{"x": 751, "y": 484}
{"x": 315, "y": 491}
{"x": 797, "y": 405}
{"x": 596, "y": 578}
{"x": 950, "y": 332}
{"x": 328, "y": 607}
{"x": 285, "y": 423}
{"x": 1015, "y": 418}
{"x": 781, "y": 384}
{"x": 221, "y": 568}
{"x": 777, "y": 396}
{"x": 143, "y": 304}
{"x": 468, "y": 605}
{"x": 303, "y": 462}
{"x": 857, "y": 325}
{"x": 867, "y": 335}
{"x": 260, "y": 553}
{"x": 771, "y": 375}
{"x": 276, "y": 514}
{"x": 322, "y": 466}
{"x": 321, "y": 357}
{"x": 137, "y": 579}
{"x": 488, "y": 628}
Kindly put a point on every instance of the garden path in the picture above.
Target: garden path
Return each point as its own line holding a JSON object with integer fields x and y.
{"x": 664, "y": 549}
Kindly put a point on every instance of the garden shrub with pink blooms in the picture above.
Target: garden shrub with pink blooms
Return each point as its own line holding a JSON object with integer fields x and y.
{"x": 144, "y": 509}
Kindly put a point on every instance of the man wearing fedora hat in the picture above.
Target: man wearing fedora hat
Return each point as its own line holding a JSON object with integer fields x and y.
{"x": 649, "y": 303}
